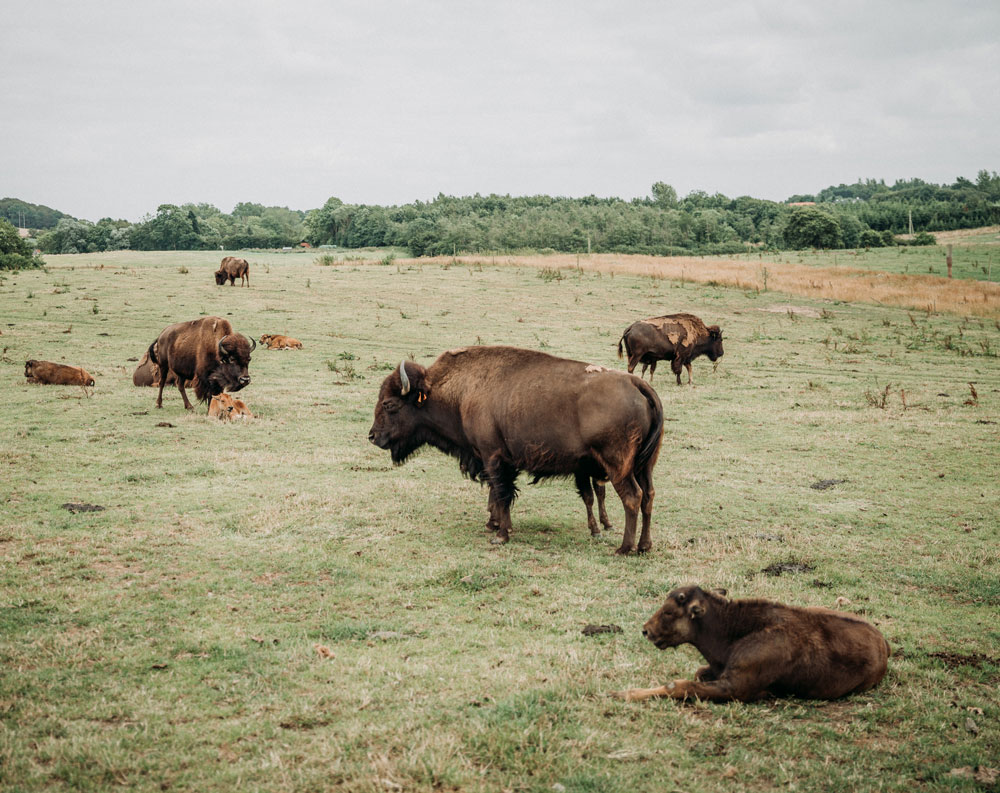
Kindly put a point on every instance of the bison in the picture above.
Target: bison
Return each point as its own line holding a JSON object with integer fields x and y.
{"x": 503, "y": 410}
{"x": 233, "y": 268}
{"x": 678, "y": 338}
{"x": 206, "y": 351}
{"x": 224, "y": 407}
{"x": 756, "y": 647}
{"x": 48, "y": 373}
{"x": 274, "y": 341}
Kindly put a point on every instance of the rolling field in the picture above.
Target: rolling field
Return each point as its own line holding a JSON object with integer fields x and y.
{"x": 273, "y": 606}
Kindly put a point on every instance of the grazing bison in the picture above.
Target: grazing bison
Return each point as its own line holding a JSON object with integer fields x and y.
{"x": 224, "y": 407}
{"x": 678, "y": 338}
{"x": 48, "y": 373}
{"x": 206, "y": 351}
{"x": 275, "y": 342}
{"x": 756, "y": 647}
{"x": 502, "y": 410}
{"x": 233, "y": 268}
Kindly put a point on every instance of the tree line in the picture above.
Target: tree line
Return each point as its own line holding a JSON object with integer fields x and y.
{"x": 865, "y": 214}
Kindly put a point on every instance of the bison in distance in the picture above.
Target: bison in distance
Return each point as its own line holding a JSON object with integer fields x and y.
{"x": 758, "y": 647}
{"x": 678, "y": 338}
{"x": 233, "y": 268}
{"x": 205, "y": 350}
{"x": 503, "y": 410}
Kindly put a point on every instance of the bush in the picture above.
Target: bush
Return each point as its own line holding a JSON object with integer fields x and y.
{"x": 923, "y": 238}
{"x": 869, "y": 238}
{"x": 15, "y": 253}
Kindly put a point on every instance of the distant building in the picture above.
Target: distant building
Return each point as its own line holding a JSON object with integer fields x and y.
{"x": 802, "y": 204}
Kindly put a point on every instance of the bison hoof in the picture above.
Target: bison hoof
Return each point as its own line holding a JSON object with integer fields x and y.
{"x": 625, "y": 550}
{"x": 499, "y": 539}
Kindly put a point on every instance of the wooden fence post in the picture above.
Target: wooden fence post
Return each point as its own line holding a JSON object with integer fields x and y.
{"x": 948, "y": 260}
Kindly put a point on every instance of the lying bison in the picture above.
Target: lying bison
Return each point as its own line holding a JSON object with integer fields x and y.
{"x": 756, "y": 647}
{"x": 233, "y": 268}
{"x": 225, "y": 407}
{"x": 678, "y": 338}
{"x": 274, "y": 341}
{"x": 147, "y": 373}
{"x": 48, "y": 373}
{"x": 205, "y": 350}
{"x": 503, "y": 410}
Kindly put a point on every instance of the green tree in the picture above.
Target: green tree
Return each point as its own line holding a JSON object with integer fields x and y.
{"x": 15, "y": 253}
{"x": 664, "y": 196}
{"x": 808, "y": 227}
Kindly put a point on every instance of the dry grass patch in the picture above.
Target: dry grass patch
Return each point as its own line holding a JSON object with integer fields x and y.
{"x": 847, "y": 284}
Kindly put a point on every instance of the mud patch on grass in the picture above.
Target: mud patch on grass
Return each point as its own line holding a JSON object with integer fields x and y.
{"x": 780, "y": 568}
{"x": 958, "y": 660}
{"x": 80, "y": 507}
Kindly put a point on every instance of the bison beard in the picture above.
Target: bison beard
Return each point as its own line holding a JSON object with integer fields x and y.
{"x": 204, "y": 350}
{"x": 503, "y": 410}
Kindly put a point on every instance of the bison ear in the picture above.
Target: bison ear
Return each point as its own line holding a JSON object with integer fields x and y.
{"x": 721, "y": 591}
{"x": 696, "y": 609}
{"x": 714, "y": 331}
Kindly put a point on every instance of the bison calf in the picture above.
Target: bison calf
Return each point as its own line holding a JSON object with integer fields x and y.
{"x": 678, "y": 338}
{"x": 275, "y": 341}
{"x": 756, "y": 647}
{"x": 224, "y": 407}
{"x": 48, "y": 373}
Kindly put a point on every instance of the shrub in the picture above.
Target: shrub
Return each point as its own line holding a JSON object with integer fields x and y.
{"x": 923, "y": 238}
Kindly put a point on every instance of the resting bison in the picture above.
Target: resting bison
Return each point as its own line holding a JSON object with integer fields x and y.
{"x": 147, "y": 373}
{"x": 204, "y": 350}
{"x": 233, "y": 268}
{"x": 678, "y": 338}
{"x": 502, "y": 410}
{"x": 755, "y": 647}
{"x": 48, "y": 373}
{"x": 275, "y": 342}
{"x": 225, "y": 407}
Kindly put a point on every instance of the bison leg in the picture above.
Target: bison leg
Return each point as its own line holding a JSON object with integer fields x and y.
{"x": 601, "y": 490}
{"x": 493, "y": 523}
{"x": 184, "y": 396}
{"x": 587, "y": 494}
{"x": 501, "y": 477}
{"x": 633, "y": 360}
{"x": 645, "y": 480}
{"x": 163, "y": 382}
{"x": 631, "y": 495}
{"x": 713, "y": 690}
{"x": 688, "y": 367}
{"x": 675, "y": 367}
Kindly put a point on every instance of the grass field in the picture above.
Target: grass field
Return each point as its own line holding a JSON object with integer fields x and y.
{"x": 273, "y": 606}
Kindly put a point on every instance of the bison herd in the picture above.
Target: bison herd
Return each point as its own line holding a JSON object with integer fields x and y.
{"x": 503, "y": 410}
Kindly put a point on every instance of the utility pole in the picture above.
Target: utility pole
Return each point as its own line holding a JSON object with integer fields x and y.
{"x": 910, "y": 213}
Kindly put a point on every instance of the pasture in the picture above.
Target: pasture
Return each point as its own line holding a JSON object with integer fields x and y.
{"x": 273, "y": 606}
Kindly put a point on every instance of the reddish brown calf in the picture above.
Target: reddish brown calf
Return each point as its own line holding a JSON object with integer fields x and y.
{"x": 48, "y": 373}
{"x": 758, "y": 647}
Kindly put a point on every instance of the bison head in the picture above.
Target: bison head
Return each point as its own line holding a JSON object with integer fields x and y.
{"x": 715, "y": 343}
{"x": 231, "y": 372}
{"x": 677, "y": 620}
{"x": 398, "y": 419}
{"x": 220, "y": 277}
{"x": 266, "y": 339}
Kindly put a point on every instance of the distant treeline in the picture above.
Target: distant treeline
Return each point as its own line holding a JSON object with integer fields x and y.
{"x": 865, "y": 214}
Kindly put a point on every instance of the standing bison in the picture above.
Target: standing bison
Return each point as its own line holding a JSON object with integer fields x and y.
{"x": 503, "y": 410}
{"x": 233, "y": 268}
{"x": 678, "y": 338}
{"x": 206, "y": 349}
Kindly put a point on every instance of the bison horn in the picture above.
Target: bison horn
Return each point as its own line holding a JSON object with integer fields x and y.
{"x": 253, "y": 345}
{"x": 404, "y": 379}
{"x": 222, "y": 347}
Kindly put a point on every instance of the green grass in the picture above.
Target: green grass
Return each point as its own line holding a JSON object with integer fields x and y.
{"x": 169, "y": 641}
{"x": 975, "y": 259}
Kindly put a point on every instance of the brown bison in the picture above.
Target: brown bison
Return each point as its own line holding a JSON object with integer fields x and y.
{"x": 756, "y": 647}
{"x": 678, "y": 338}
{"x": 275, "y": 342}
{"x": 48, "y": 373}
{"x": 233, "y": 268}
{"x": 206, "y": 351}
{"x": 224, "y": 407}
{"x": 503, "y": 410}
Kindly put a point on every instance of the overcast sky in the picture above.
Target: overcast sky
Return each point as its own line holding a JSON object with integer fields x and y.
{"x": 112, "y": 108}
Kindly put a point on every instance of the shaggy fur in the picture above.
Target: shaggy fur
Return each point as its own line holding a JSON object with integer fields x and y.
{"x": 233, "y": 268}
{"x": 678, "y": 338}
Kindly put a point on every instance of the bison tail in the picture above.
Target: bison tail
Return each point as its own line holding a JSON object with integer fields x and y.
{"x": 651, "y": 443}
{"x": 152, "y": 353}
{"x": 620, "y": 342}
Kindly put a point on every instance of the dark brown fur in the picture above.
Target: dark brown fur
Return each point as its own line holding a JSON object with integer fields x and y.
{"x": 502, "y": 410}
{"x": 205, "y": 350}
{"x": 678, "y": 338}
{"x": 48, "y": 373}
{"x": 147, "y": 373}
{"x": 756, "y": 647}
{"x": 233, "y": 268}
